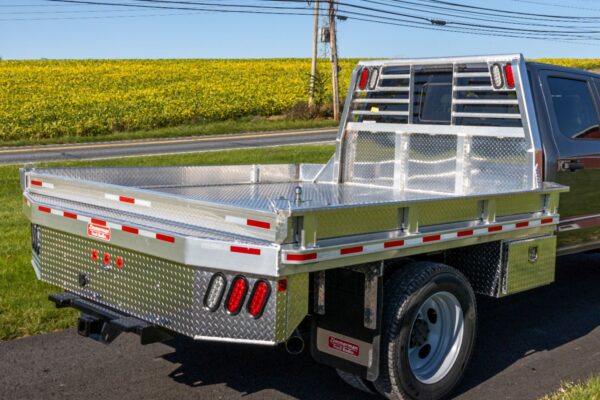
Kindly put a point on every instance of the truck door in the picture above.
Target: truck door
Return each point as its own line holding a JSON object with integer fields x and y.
{"x": 572, "y": 104}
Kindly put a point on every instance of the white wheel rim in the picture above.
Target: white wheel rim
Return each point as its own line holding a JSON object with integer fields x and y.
{"x": 436, "y": 337}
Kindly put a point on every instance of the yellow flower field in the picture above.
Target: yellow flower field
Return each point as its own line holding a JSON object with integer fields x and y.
{"x": 45, "y": 99}
{"x": 49, "y": 99}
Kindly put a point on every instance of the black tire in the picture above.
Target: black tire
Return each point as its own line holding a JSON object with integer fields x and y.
{"x": 357, "y": 382}
{"x": 404, "y": 293}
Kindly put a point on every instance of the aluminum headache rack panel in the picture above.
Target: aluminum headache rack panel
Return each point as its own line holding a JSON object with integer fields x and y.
{"x": 439, "y": 126}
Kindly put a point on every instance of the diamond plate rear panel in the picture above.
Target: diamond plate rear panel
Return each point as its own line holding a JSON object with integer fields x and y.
{"x": 165, "y": 293}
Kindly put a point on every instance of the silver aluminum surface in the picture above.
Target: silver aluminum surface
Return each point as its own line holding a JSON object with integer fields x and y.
{"x": 165, "y": 293}
{"x": 503, "y": 156}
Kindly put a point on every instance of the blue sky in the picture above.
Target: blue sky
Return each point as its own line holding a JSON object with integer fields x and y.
{"x": 214, "y": 35}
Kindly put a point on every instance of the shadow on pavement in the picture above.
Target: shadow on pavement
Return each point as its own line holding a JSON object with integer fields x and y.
{"x": 509, "y": 329}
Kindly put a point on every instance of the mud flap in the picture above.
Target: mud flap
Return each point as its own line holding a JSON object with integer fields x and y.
{"x": 346, "y": 323}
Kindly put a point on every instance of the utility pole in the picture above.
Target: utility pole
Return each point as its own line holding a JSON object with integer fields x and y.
{"x": 334, "y": 62}
{"x": 315, "y": 48}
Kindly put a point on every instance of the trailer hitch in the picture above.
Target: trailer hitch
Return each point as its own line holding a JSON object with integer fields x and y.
{"x": 104, "y": 325}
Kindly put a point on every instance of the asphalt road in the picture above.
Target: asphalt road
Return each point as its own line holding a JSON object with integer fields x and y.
{"x": 527, "y": 344}
{"x": 88, "y": 151}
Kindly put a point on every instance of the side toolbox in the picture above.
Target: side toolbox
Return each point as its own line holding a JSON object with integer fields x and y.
{"x": 500, "y": 269}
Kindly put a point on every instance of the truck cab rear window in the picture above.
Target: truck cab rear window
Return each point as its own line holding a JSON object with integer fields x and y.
{"x": 574, "y": 108}
{"x": 433, "y": 97}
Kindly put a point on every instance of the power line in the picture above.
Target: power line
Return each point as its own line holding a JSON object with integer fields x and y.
{"x": 404, "y": 15}
{"x": 511, "y": 12}
{"x": 482, "y": 30}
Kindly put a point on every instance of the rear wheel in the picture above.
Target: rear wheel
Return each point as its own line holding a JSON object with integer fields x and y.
{"x": 429, "y": 324}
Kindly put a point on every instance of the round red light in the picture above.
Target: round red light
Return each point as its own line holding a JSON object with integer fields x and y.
{"x": 106, "y": 258}
{"x": 258, "y": 298}
{"x": 94, "y": 254}
{"x": 237, "y": 294}
{"x": 364, "y": 78}
{"x": 510, "y": 79}
{"x": 119, "y": 262}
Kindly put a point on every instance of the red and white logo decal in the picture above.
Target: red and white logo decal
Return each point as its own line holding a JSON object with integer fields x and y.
{"x": 99, "y": 231}
{"x": 343, "y": 346}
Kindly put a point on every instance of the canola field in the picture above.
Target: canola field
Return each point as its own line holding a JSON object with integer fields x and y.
{"x": 48, "y": 99}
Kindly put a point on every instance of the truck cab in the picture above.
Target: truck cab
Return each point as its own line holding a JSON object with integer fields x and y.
{"x": 566, "y": 104}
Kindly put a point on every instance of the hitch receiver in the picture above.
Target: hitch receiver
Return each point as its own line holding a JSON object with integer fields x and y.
{"x": 104, "y": 325}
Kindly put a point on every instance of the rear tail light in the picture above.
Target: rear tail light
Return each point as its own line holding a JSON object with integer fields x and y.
{"x": 510, "y": 79}
{"x": 258, "y": 298}
{"x": 364, "y": 78}
{"x": 237, "y": 294}
{"x": 214, "y": 293}
{"x": 497, "y": 79}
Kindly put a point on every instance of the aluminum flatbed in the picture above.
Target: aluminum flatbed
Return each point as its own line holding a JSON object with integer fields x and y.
{"x": 435, "y": 189}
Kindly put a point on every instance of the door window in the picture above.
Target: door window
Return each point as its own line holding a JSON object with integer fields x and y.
{"x": 574, "y": 108}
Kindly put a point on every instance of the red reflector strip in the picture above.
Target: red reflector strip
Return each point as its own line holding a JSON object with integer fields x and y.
{"x": 129, "y": 200}
{"x": 394, "y": 243}
{"x": 495, "y": 228}
{"x": 69, "y": 215}
{"x": 464, "y": 233}
{"x": 351, "y": 250}
{"x": 36, "y": 183}
{"x": 258, "y": 224}
{"x": 302, "y": 257}
{"x": 245, "y": 250}
{"x": 524, "y": 224}
{"x": 98, "y": 222}
{"x": 431, "y": 238}
{"x": 165, "y": 238}
{"x": 44, "y": 209}
{"x": 547, "y": 221}
{"x": 129, "y": 229}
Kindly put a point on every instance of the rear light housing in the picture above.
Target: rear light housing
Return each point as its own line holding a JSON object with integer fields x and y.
{"x": 35, "y": 239}
{"x": 214, "y": 292}
{"x": 364, "y": 79}
{"x": 258, "y": 298}
{"x": 373, "y": 79}
{"x": 497, "y": 78}
{"x": 237, "y": 295}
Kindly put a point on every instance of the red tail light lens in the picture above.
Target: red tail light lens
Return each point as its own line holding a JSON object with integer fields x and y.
{"x": 214, "y": 293}
{"x": 237, "y": 294}
{"x": 364, "y": 78}
{"x": 258, "y": 298}
{"x": 510, "y": 79}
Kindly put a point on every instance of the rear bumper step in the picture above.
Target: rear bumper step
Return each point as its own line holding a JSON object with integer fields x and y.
{"x": 104, "y": 325}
